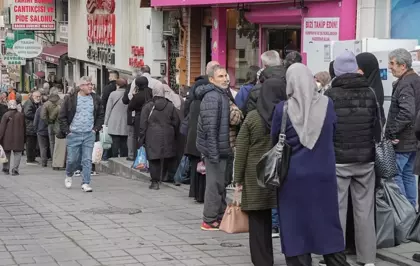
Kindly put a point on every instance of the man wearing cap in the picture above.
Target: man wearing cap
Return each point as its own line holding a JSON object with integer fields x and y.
{"x": 354, "y": 144}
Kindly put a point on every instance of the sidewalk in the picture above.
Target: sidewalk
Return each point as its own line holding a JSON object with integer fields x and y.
{"x": 401, "y": 255}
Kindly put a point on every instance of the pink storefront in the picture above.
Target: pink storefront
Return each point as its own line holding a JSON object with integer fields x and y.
{"x": 276, "y": 23}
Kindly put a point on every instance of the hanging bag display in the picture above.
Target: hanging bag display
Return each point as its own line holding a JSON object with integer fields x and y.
{"x": 385, "y": 158}
{"x": 273, "y": 166}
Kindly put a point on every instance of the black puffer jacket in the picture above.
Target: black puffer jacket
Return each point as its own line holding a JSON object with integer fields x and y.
{"x": 29, "y": 109}
{"x": 159, "y": 124}
{"x": 278, "y": 72}
{"x": 405, "y": 104}
{"x": 213, "y": 123}
{"x": 355, "y": 106}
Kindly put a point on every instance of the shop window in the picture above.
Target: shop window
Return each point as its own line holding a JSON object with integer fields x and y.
{"x": 243, "y": 50}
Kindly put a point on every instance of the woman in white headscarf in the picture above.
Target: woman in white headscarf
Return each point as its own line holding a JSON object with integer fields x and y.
{"x": 172, "y": 96}
{"x": 308, "y": 201}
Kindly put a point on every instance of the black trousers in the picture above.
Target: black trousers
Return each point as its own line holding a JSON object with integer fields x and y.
{"x": 119, "y": 146}
{"x": 31, "y": 142}
{"x": 335, "y": 259}
{"x": 159, "y": 169}
{"x": 260, "y": 241}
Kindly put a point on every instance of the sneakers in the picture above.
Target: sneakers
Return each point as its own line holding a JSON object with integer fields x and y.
{"x": 210, "y": 227}
{"x": 32, "y": 163}
{"x": 94, "y": 173}
{"x": 275, "y": 233}
{"x": 15, "y": 173}
{"x": 230, "y": 187}
{"x": 77, "y": 173}
{"x": 154, "y": 185}
{"x": 68, "y": 181}
{"x": 369, "y": 264}
{"x": 87, "y": 188}
{"x": 6, "y": 171}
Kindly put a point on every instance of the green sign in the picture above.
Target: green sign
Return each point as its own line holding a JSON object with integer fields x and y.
{"x": 13, "y": 59}
{"x": 24, "y": 34}
{"x": 9, "y": 42}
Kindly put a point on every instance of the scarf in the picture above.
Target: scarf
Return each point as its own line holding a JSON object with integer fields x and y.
{"x": 172, "y": 96}
{"x": 307, "y": 108}
{"x": 370, "y": 66}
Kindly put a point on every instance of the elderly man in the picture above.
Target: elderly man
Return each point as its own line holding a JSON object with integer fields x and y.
{"x": 405, "y": 105}
{"x": 81, "y": 117}
{"x": 29, "y": 108}
{"x": 214, "y": 144}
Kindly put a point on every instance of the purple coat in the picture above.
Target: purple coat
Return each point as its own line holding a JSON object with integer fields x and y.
{"x": 308, "y": 202}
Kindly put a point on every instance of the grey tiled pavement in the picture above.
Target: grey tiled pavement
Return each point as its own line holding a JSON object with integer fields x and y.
{"x": 42, "y": 223}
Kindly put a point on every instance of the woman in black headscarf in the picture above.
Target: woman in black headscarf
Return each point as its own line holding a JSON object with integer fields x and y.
{"x": 369, "y": 65}
{"x": 252, "y": 142}
{"x": 331, "y": 69}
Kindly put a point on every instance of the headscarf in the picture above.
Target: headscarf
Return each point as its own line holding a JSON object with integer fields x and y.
{"x": 142, "y": 83}
{"x": 370, "y": 66}
{"x": 172, "y": 96}
{"x": 307, "y": 108}
{"x": 12, "y": 105}
{"x": 159, "y": 90}
{"x": 331, "y": 70}
{"x": 272, "y": 92}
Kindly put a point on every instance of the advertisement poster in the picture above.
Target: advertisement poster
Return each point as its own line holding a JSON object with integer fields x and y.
{"x": 405, "y": 19}
{"x": 31, "y": 15}
{"x": 320, "y": 30}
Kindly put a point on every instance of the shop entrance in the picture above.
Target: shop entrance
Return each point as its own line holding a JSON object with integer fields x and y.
{"x": 283, "y": 39}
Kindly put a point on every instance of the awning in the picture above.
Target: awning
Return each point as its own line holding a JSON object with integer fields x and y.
{"x": 53, "y": 53}
{"x": 40, "y": 75}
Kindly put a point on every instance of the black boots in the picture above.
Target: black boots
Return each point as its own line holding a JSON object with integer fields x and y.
{"x": 154, "y": 185}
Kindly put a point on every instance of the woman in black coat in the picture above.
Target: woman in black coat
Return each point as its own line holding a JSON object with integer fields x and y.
{"x": 141, "y": 96}
{"x": 159, "y": 124}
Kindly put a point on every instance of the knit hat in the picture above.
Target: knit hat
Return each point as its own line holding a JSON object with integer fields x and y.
{"x": 345, "y": 63}
{"x": 12, "y": 104}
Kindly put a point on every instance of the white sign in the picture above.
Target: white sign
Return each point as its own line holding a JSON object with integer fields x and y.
{"x": 27, "y": 48}
{"x": 33, "y": 15}
{"x": 320, "y": 30}
{"x": 13, "y": 59}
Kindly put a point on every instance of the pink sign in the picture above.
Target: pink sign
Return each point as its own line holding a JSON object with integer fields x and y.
{"x": 201, "y": 2}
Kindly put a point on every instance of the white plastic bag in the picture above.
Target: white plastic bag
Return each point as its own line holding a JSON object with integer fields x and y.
{"x": 97, "y": 152}
{"x": 105, "y": 139}
{"x": 3, "y": 158}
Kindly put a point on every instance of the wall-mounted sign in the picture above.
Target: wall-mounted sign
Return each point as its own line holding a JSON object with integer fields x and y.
{"x": 320, "y": 30}
{"x": 6, "y": 15}
{"x": 107, "y": 5}
{"x": 13, "y": 59}
{"x": 51, "y": 59}
{"x": 33, "y": 15}
{"x": 103, "y": 55}
{"x": 101, "y": 28}
{"x": 27, "y": 48}
{"x": 136, "y": 58}
{"x": 63, "y": 33}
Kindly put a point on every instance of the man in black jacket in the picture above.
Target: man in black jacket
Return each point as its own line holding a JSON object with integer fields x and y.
{"x": 354, "y": 145}
{"x": 81, "y": 117}
{"x": 110, "y": 87}
{"x": 29, "y": 109}
{"x": 405, "y": 104}
{"x": 213, "y": 143}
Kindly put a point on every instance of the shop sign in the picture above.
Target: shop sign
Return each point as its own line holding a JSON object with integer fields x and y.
{"x": 27, "y": 48}
{"x": 320, "y": 30}
{"x": 106, "y": 5}
{"x": 63, "y": 33}
{"x": 51, "y": 59}
{"x": 33, "y": 15}
{"x": 136, "y": 58}
{"x": 6, "y": 15}
{"x": 102, "y": 55}
{"x": 13, "y": 59}
{"x": 101, "y": 28}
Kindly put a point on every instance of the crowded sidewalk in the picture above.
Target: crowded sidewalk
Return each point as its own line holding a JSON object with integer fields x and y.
{"x": 42, "y": 223}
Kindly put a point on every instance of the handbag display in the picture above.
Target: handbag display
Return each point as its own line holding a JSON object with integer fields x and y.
{"x": 273, "y": 166}
{"x": 385, "y": 158}
{"x": 234, "y": 220}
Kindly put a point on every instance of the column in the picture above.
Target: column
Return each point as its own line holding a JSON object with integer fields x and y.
{"x": 348, "y": 19}
{"x": 218, "y": 35}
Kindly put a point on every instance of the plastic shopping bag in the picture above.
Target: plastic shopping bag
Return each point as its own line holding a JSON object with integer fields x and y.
{"x": 385, "y": 223}
{"x": 97, "y": 152}
{"x": 201, "y": 168}
{"x": 182, "y": 172}
{"x": 105, "y": 138}
{"x": 3, "y": 157}
{"x": 404, "y": 212}
{"x": 141, "y": 163}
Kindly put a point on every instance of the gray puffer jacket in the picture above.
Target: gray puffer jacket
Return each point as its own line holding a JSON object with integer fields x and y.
{"x": 213, "y": 123}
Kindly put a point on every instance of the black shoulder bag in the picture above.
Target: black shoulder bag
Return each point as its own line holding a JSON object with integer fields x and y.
{"x": 273, "y": 166}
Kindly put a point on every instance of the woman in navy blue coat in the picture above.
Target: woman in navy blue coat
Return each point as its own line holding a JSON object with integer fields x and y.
{"x": 308, "y": 200}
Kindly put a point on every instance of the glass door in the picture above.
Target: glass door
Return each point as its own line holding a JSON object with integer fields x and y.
{"x": 283, "y": 40}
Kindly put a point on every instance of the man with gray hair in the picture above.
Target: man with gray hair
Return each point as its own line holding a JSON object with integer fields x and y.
{"x": 268, "y": 59}
{"x": 213, "y": 143}
{"x": 405, "y": 104}
{"x": 81, "y": 117}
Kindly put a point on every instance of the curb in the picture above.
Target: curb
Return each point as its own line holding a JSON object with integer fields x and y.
{"x": 395, "y": 258}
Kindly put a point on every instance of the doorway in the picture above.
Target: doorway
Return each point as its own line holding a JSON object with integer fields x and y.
{"x": 283, "y": 39}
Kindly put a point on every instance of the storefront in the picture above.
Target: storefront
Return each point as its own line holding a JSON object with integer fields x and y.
{"x": 118, "y": 35}
{"x": 243, "y": 29}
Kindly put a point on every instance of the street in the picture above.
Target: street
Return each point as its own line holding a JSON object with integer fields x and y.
{"x": 121, "y": 223}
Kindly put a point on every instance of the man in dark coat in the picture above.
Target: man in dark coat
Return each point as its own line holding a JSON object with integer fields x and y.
{"x": 110, "y": 87}
{"x": 214, "y": 144}
{"x": 405, "y": 104}
{"x": 29, "y": 109}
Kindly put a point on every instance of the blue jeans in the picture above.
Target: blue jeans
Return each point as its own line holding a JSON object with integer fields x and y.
{"x": 406, "y": 179}
{"x": 274, "y": 218}
{"x": 79, "y": 152}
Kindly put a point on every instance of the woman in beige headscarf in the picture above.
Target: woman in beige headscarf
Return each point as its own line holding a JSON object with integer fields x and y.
{"x": 308, "y": 199}
{"x": 322, "y": 81}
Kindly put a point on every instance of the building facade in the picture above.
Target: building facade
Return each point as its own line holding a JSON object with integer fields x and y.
{"x": 119, "y": 35}
{"x": 236, "y": 32}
